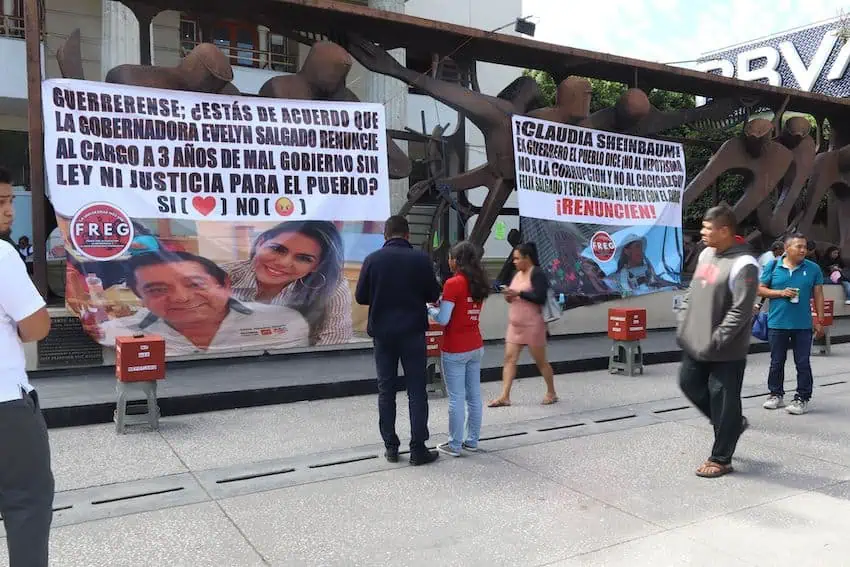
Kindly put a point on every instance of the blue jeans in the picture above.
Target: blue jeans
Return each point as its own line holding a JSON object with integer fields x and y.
{"x": 463, "y": 382}
{"x": 846, "y": 285}
{"x": 800, "y": 341}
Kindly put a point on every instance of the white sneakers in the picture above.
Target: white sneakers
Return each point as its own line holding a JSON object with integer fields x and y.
{"x": 796, "y": 407}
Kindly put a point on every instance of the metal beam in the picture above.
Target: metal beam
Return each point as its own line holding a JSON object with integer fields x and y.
{"x": 32, "y": 30}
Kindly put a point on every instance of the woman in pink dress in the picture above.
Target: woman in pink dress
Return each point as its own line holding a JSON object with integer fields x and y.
{"x": 526, "y": 296}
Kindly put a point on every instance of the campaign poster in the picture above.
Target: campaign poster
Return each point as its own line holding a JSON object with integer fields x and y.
{"x": 604, "y": 209}
{"x": 223, "y": 224}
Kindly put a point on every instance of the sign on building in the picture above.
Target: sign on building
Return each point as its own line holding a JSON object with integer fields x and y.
{"x": 812, "y": 59}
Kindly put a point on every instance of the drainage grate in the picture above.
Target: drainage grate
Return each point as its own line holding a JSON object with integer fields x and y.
{"x": 556, "y": 428}
{"x": 833, "y": 383}
{"x": 343, "y": 462}
{"x": 253, "y": 476}
{"x": 610, "y": 419}
{"x": 763, "y": 394}
{"x": 668, "y": 410}
{"x": 135, "y": 496}
{"x": 505, "y": 436}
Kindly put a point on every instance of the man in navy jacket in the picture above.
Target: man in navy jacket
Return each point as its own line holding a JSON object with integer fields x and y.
{"x": 396, "y": 282}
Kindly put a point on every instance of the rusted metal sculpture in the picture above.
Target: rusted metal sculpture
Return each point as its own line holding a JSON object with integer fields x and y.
{"x": 830, "y": 172}
{"x": 205, "y": 69}
{"x": 774, "y": 219}
{"x": 634, "y": 114}
{"x": 323, "y": 77}
{"x": 492, "y": 115}
{"x": 756, "y": 155}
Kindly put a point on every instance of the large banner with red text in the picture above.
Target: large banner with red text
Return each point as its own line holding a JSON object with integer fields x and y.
{"x": 221, "y": 223}
{"x": 604, "y": 209}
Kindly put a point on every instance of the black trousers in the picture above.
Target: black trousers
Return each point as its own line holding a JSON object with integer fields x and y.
{"x": 410, "y": 350}
{"x": 715, "y": 388}
{"x": 26, "y": 482}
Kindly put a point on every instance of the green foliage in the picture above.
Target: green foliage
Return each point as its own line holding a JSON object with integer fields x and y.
{"x": 605, "y": 95}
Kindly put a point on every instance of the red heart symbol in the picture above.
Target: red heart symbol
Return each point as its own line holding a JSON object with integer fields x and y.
{"x": 204, "y": 205}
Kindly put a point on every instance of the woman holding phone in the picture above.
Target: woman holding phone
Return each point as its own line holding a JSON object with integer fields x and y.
{"x": 526, "y": 327}
{"x": 460, "y": 310}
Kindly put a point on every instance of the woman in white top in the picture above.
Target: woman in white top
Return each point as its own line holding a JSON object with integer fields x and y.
{"x": 299, "y": 264}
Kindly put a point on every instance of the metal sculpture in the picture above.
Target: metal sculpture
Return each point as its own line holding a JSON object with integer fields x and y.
{"x": 756, "y": 155}
{"x": 774, "y": 219}
{"x": 205, "y": 69}
{"x": 492, "y": 115}
{"x": 323, "y": 77}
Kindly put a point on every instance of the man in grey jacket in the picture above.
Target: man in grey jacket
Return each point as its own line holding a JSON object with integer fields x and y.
{"x": 715, "y": 334}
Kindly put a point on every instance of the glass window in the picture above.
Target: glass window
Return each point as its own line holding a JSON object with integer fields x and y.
{"x": 281, "y": 55}
{"x": 188, "y": 36}
{"x": 245, "y": 43}
{"x": 15, "y": 156}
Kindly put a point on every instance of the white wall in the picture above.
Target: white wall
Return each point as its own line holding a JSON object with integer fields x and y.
{"x": 492, "y": 78}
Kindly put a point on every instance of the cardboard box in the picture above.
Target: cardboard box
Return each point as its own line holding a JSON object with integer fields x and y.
{"x": 828, "y": 312}
{"x": 626, "y": 324}
{"x": 140, "y": 358}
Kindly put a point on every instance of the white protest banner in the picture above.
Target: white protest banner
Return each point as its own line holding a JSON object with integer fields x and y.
{"x": 579, "y": 175}
{"x": 181, "y": 155}
{"x": 220, "y": 223}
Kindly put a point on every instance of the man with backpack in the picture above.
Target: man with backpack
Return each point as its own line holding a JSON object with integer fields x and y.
{"x": 790, "y": 282}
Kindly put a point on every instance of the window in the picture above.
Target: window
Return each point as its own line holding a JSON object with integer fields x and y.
{"x": 189, "y": 36}
{"x": 15, "y": 157}
{"x": 283, "y": 56}
{"x": 12, "y": 19}
{"x": 246, "y": 44}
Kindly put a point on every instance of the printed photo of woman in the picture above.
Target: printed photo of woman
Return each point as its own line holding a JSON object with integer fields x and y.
{"x": 299, "y": 264}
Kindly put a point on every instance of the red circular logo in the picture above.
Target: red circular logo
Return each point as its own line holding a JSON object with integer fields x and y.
{"x": 603, "y": 246}
{"x": 101, "y": 231}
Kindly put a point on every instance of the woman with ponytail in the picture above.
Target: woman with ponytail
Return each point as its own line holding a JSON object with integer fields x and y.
{"x": 460, "y": 310}
{"x": 526, "y": 327}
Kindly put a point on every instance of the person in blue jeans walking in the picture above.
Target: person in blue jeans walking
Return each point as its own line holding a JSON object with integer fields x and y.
{"x": 460, "y": 311}
{"x": 790, "y": 283}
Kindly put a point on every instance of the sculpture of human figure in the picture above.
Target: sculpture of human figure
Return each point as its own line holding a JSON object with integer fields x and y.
{"x": 774, "y": 220}
{"x": 205, "y": 70}
{"x": 831, "y": 172}
{"x": 323, "y": 77}
{"x": 491, "y": 114}
{"x": 634, "y": 114}
{"x": 755, "y": 154}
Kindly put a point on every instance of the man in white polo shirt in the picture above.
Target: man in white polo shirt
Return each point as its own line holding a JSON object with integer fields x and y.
{"x": 26, "y": 481}
{"x": 188, "y": 302}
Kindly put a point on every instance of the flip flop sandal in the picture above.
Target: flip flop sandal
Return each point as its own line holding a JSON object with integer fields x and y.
{"x": 549, "y": 401}
{"x": 498, "y": 404}
{"x": 710, "y": 469}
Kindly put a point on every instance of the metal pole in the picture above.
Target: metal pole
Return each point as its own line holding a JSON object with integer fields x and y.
{"x": 32, "y": 29}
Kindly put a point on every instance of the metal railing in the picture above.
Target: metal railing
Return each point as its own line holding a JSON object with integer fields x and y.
{"x": 11, "y": 26}
{"x": 251, "y": 58}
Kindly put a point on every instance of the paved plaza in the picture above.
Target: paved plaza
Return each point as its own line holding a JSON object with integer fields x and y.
{"x": 604, "y": 478}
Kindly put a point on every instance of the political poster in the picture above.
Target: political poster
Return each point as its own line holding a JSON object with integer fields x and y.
{"x": 223, "y": 224}
{"x": 604, "y": 209}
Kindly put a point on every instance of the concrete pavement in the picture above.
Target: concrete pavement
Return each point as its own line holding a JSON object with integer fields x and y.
{"x": 606, "y": 477}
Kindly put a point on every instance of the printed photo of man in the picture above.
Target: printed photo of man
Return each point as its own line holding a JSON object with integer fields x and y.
{"x": 187, "y": 300}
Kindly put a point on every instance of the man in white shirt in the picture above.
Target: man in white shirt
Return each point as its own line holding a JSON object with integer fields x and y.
{"x": 26, "y": 481}
{"x": 188, "y": 302}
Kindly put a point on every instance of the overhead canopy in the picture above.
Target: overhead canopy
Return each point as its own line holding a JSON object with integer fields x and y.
{"x": 392, "y": 30}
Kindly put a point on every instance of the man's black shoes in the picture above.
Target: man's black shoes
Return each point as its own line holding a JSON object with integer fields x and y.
{"x": 391, "y": 454}
{"x": 423, "y": 457}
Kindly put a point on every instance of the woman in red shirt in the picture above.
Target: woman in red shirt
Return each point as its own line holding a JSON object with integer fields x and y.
{"x": 460, "y": 310}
